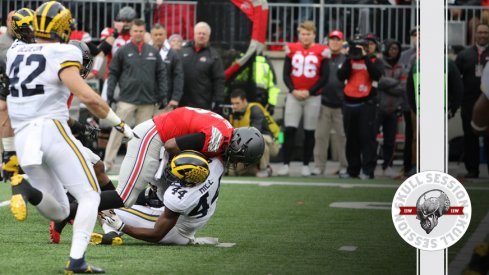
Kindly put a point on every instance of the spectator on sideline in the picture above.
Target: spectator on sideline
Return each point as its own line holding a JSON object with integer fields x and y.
{"x": 373, "y": 44}
{"x": 331, "y": 114}
{"x": 259, "y": 81}
{"x": 141, "y": 74}
{"x": 6, "y": 40}
{"x": 176, "y": 42}
{"x": 173, "y": 63}
{"x": 392, "y": 87}
{"x": 203, "y": 72}
{"x": 254, "y": 114}
{"x": 305, "y": 72}
{"x": 470, "y": 63}
{"x": 363, "y": 72}
{"x": 408, "y": 58}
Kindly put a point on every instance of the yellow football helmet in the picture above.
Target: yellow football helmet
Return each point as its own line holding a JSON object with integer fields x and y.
{"x": 53, "y": 21}
{"x": 189, "y": 168}
{"x": 22, "y": 25}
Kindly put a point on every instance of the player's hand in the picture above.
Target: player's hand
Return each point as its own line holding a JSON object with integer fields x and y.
{"x": 110, "y": 218}
{"x": 298, "y": 95}
{"x": 126, "y": 130}
{"x": 173, "y": 104}
{"x": 90, "y": 131}
{"x": 10, "y": 165}
{"x": 118, "y": 26}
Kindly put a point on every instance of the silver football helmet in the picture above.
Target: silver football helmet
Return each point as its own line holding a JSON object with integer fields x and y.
{"x": 247, "y": 146}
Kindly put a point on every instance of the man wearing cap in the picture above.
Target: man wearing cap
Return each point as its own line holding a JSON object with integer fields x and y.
{"x": 331, "y": 114}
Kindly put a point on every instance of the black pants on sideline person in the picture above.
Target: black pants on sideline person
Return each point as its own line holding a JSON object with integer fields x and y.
{"x": 471, "y": 142}
{"x": 361, "y": 144}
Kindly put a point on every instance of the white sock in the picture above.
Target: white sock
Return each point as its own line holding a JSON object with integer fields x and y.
{"x": 51, "y": 208}
{"x": 85, "y": 219}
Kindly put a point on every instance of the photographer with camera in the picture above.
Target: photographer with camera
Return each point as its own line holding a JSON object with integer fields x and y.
{"x": 361, "y": 72}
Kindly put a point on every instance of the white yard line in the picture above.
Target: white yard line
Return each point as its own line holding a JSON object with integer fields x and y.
{"x": 348, "y": 248}
{"x": 296, "y": 182}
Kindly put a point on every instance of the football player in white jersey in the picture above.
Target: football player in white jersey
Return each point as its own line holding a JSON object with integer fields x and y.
{"x": 23, "y": 32}
{"x": 190, "y": 201}
{"x": 41, "y": 78}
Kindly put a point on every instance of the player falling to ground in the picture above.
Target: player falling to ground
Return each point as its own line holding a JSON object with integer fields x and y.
{"x": 166, "y": 135}
{"x": 190, "y": 201}
{"x": 41, "y": 78}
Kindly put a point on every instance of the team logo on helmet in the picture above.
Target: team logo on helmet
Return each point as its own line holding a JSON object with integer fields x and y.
{"x": 53, "y": 21}
{"x": 22, "y": 25}
{"x": 190, "y": 168}
{"x": 419, "y": 204}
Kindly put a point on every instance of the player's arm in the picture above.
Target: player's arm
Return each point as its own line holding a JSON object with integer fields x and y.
{"x": 163, "y": 225}
{"x": 480, "y": 115}
{"x": 323, "y": 77}
{"x": 287, "y": 74}
{"x": 193, "y": 141}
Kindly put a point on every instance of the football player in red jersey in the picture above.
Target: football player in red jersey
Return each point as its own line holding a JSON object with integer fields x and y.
{"x": 305, "y": 72}
{"x": 167, "y": 134}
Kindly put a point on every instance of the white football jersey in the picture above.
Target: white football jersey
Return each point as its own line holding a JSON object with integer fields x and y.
{"x": 197, "y": 204}
{"x": 35, "y": 88}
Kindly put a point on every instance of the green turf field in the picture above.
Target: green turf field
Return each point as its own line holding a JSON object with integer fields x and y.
{"x": 276, "y": 230}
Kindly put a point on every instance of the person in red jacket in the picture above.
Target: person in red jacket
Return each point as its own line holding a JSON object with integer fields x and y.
{"x": 361, "y": 71}
{"x": 305, "y": 73}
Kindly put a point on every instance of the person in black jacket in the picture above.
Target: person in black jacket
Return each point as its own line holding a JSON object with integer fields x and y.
{"x": 203, "y": 71}
{"x": 362, "y": 73}
{"x": 331, "y": 113}
{"x": 392, "y": 87}
{"x": 470, "y": 63}
{"x": 141, "y": 74}
{"x": 174, "y": 67}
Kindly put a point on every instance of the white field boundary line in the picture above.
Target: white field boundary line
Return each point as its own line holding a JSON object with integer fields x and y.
{"x": 293, "y": 182}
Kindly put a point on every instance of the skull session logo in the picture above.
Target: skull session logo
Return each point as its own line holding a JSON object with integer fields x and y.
{"x": 431, "y": 210}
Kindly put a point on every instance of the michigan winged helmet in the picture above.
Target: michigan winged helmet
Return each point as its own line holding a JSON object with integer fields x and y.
{"x": 189, "y": 168}
{"x": 53, "y": 21}
{"x": 22, "y": 25}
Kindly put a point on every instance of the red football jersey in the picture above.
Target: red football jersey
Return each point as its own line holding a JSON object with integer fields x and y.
{"x": 306, "y": 63}
{"x": 187, "y": 120}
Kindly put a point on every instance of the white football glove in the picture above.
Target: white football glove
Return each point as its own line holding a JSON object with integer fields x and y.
{"x": 110, "y": 218}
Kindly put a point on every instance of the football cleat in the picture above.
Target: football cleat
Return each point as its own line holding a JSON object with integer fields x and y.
{"x": 74, "y": 267}
{"x": 54, "y": 234}
{"x": 111, "y": 238}
{"x": 18, "y": 205}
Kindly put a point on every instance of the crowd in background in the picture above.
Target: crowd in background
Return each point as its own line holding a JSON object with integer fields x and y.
{"x": 344, "y": 119}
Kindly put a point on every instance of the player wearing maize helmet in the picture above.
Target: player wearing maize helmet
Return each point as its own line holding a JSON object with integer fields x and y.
{"x": 42, "y": 75}
{"x": 190, "y": 201}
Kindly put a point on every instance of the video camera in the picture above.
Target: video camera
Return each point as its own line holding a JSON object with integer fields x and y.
{"x": 355, "y": 52}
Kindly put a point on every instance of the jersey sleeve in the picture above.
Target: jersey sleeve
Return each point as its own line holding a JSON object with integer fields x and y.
{"x": 213, "y": 140}
{"x": 67, "y": 55}
{"x": 180, "y": 199}
{"x": 106, "y": 32}
{"x": 326, "y": 52}
{"x": 288, "y": 49}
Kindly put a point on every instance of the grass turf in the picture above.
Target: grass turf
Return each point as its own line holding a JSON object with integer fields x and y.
{"x": 277, "y": 230}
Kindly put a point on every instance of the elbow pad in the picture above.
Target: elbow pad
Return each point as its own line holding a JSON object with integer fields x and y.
{"x": 94, "y": 50}
{"x": 105, "y": 47}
